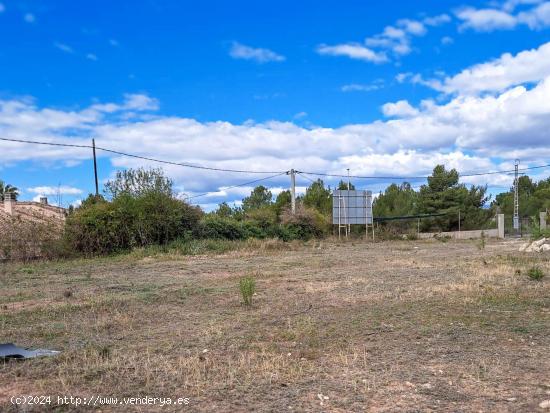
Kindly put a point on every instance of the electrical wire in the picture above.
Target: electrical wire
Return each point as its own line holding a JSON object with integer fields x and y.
{"x": 186, "y": 165}
{"x": 504, "y": 172}
{"x": 239, "y": 185}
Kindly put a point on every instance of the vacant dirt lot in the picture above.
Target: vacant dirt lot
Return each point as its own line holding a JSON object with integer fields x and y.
{"x": 341, "y": 327}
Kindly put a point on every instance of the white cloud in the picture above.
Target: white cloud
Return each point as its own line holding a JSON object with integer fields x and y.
{"x": 437, "y": 20}
{"x": 485, "y": 20}
{"x": 133, "y": 101}
{"x": 528, "y": 66}
{"x": 447, "y": 40}
{"x": 353, "y": 51}
{"x": 468, "y": 132}
{"x": 400, "y": 108}
{"x": 394, "y": 40}
{"x": 55, "y": 190}
{"x": 536, "y": 18}
{"x": 357, "y": 87}
{"x": 510, "y": 5}
{"x": 63, "y": 47}
{"x": 503, "y": 18}
{"x": 113, "y": 42}
{"x": 398, "y": 38}
{"x": 260, "y": 55}
{"x": 91, "y": 56}
{"x": 29, "y": 18}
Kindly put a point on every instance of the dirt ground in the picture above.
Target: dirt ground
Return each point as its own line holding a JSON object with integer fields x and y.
{"x": 411, "y": 326}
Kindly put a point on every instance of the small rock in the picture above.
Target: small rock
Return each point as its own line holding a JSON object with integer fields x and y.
{"x": 427, "y": 386}
{"x": 523, "y": 246}
{"x": 545, "y": 247}
{"x": 511, "y": 399}
{"x": 545, "y": 404}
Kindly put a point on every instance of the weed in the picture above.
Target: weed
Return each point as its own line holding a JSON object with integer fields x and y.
{"x": 535, "y": 273}
{"x": 442, "y": 238}
{"x": 247, "y": 286}
{"x": 482, "y": 242}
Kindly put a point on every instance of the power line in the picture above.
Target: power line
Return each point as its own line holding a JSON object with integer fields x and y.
{"x": 239, "y": 185}
{"x": 303, "y": 175}
{"x": 186, "y": 165}
{"x": 505, "y": 172}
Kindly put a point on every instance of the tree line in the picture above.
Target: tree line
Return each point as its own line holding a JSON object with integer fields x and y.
{"x": 140, "y": 207}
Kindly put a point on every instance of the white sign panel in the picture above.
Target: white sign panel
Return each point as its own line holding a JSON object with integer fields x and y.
{"x": 351, "y": 207}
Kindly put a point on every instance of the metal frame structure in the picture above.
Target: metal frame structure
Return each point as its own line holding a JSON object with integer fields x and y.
{"x": 352, "y": 207}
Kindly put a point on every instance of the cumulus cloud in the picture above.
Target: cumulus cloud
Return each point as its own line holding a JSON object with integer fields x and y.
{"x": 528, "y": 66}
{"x": 466, "y": 132}
{"x": 257, "y": 54}
{"x": 510, "y": 5}
{"x": 55, "y": 190}
{"x": 401, "y": 108}
{"x": 537, "y": 18}
{"x": 353, "y": 51}
{"x": 485, "y": 20}
{"x": 506, "y": 17}
{"x": 394, "y": 40}
{"x": 470, "y": 131}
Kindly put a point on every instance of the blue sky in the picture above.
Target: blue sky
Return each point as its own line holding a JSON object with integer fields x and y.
{"x": 317, "y": 86}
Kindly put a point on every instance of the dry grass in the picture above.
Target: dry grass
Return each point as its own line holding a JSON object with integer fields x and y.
{"x": 396, "y": 326}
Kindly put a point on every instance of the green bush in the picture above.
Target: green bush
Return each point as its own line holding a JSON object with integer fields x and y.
{"x": 304, "y": 224}
{"x": 102, "y": 227}
{"x": 215, "y": 227}
{"x": 538, "y": 233}
{"x": 535, "y": 273}
{"x": 247, "y": 286}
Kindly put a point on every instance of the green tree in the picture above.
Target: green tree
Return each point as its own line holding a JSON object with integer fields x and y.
{"x": 137, "y": 182}
{"x": 344, "y": 186}
{"x": 259, "y": 197}
{"x": 318, "y": 197}
{"x": 282, "y": 202}
{"x": 397, "y": 200}
{"x": 444, "y": 194}
{"x": 8, "y": 189}
{"x": 224, "y": 210}
{"x": 533, "y": 198}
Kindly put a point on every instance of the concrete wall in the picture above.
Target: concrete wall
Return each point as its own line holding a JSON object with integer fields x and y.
{"x": 491, "y": 233}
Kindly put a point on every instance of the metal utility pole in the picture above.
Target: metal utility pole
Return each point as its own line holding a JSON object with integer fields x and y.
{"x": 516, "y": 195}
{"x": 293, "y": 190}
{"x": 95, "y": 169}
